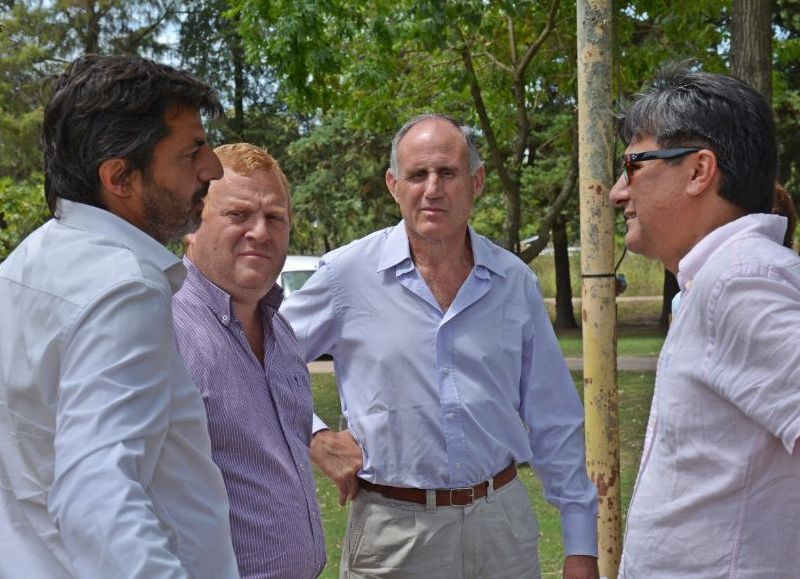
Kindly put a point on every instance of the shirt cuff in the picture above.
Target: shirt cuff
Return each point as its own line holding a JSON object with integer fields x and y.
{"x": 579, "y": 533}
{"x": 317, "y": 424}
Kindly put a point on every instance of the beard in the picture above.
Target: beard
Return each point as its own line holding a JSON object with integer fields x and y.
{"x": 168, "y": 218}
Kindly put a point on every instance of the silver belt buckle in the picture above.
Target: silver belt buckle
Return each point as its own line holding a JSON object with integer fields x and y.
{"x": 471, "y": 496}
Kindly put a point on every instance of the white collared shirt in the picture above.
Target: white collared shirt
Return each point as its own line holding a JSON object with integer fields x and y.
{"x": 105, "y": 459}
{"x": 718, "y": 492}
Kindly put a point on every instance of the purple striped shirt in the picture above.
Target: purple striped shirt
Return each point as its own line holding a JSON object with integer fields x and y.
{"x": 259, "y": 419}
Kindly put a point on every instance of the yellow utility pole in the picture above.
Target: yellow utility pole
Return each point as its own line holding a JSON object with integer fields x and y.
{"x": 596, "y": 150}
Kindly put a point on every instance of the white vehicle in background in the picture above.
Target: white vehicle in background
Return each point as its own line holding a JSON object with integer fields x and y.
{"x": 296, "y": 271}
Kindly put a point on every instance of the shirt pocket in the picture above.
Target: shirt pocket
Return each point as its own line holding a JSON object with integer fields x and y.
{"x": 294, "y": 405}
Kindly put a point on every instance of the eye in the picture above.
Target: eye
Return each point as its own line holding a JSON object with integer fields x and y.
{"x": 418, "y": 176}
{"x": 277, "y": 218}
{"x": 447, "y": 173}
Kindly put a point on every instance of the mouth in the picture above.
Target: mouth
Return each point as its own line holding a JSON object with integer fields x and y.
{"x": 200, "y": 194}
{"x": 253, "y": 254}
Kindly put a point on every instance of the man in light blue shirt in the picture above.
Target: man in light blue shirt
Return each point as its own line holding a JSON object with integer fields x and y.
{"x": 449, "y": 375}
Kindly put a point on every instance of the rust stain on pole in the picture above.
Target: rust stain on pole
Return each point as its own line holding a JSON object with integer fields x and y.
{"x": 598, "y": 311}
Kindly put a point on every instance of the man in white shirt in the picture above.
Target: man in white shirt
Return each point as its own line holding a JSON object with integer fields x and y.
{"x": 717, "y": 493}
{"x": 105, "y": 459}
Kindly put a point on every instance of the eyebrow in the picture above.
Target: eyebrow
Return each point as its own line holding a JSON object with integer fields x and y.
{"x": 426, "y": 168}
{"x": 236, "y": 203}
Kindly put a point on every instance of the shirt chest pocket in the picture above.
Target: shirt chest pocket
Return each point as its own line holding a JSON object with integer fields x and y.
{"x": 294, "y": 405}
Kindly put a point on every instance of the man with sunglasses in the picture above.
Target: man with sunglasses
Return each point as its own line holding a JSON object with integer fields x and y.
{"x": 717, "y": 493}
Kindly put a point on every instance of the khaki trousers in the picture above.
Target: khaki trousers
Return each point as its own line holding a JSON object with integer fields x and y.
{"x": 494, "y": 538}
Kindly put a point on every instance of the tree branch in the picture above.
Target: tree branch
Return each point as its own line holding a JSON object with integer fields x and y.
{"x": 537, "y": 44}
{"x": 512, "y": 40}
{"x": 135, "y": 39}
{"x": 480, "y": 106}
{"x": 495, "y": 61}
{"x": 546, "y": 224}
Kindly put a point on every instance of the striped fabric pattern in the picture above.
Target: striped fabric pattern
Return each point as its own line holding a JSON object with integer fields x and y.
{"x": 259, "y": 419}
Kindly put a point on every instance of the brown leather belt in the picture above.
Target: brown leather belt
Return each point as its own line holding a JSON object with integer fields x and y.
{"x": 459, "y": 497}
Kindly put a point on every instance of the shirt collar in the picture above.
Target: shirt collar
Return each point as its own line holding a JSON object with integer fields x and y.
{"x": 397, "y": 252}
{"x": 93, "y": 219}
{"x": 770, "y": 226}
{"x": 218, "y": 300}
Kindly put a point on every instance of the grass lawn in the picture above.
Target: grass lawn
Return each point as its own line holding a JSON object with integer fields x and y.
{"x": 632, "y": 341}
{"x": 635, "y": 391}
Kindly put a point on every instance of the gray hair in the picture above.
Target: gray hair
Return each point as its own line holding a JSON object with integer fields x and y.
{"x": 475, "y": 161}
{"x": 684, "y": 108}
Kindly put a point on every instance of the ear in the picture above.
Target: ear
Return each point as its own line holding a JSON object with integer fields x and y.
{"x": 478, "y": 180}
{"x": 391, "y": 183}
{"x": 705, "y": 173}
{"x": 114, "y": 177}
{"x": 188, "y": 244}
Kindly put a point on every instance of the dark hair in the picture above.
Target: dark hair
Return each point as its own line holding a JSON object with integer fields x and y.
{"x": 473, "y": 154}
{"x": 784, "y": 205}
{"x": 721, "y": 113}
{"x": 105, "y": 107}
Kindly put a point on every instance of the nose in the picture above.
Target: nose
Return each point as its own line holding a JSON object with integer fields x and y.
{"x": 618, "y": 196}
{"x": 210, "y": 165}
{"x": 259, "y": 231}
{"x": 432, "y": 185}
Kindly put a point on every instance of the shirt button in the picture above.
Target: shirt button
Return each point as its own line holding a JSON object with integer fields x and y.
{"x": 451, "y": 416}
{"x": 302, "y": 467}
{"x": 458, "y": 465}
{"x": 226, "y": 318}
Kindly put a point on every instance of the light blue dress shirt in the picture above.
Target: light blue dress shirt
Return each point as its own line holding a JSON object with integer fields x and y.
{"x": 446, "y": 399}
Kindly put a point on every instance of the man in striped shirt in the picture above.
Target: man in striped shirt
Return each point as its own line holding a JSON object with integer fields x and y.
{"x": 246, "y": 362}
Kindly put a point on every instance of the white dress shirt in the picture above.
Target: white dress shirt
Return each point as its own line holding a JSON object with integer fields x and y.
{"x": 445, "y": 399}
{"x": 105, "y": 459}
{"x": 718, "y": 492}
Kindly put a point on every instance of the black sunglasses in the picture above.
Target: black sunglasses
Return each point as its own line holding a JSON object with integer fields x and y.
{"x": 630, "y": 158}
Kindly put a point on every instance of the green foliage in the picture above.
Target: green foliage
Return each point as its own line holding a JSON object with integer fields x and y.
{"x": 25, "y": 52}
{"x": 22, "y": 209}
{"x": 38, "y": 37}
{"x": 339, "y": 192}
{"x": 390, "y": 61}
{"x": 786, "y": 92}
{"x": 110, "y": 26}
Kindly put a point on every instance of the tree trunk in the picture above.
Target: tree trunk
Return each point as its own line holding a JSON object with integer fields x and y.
{"x": 751, "y": 44}
{"x": 670, "y": 289}
{"x": 91, "y": 43}
{"x": 565, "y": 314}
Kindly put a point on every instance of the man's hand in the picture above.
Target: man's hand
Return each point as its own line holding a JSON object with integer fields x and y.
{"x": 338, "y": 455}
{"x": 580, "y": 567}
